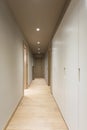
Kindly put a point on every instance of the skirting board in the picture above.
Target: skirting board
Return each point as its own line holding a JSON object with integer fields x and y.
{"x": 60, "y": 111}
{"x": 13, "y": 114}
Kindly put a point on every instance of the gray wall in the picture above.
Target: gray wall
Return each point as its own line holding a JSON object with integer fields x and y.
{"x": 11, "y": 64}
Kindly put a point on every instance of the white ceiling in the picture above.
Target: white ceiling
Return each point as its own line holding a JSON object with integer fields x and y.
{"x": 44, "y": 14}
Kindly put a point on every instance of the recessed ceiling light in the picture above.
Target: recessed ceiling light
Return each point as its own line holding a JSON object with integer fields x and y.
{"x": 37, "y": 29}
{"x": 38, "y": 49}
{"x": 38, "y": 42}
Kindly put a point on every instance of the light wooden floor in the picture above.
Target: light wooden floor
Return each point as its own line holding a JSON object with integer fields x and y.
{"x": 38, "y": 110}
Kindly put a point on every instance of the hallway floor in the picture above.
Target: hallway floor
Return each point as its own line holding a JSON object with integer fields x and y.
{"x": 38, "y": 110}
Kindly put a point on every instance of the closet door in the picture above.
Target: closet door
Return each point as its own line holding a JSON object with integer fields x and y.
{"x": 71, "y": 77}
{"x": 83, "y": 65}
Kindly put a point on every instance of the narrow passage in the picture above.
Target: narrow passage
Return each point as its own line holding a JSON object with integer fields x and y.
{"x": 38, "y": 110}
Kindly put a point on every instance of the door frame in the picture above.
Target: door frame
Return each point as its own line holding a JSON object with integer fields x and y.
{"x": 25, "y": 79}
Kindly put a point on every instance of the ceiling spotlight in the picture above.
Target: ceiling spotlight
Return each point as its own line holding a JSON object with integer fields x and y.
{"x": 37, "y": 29}
{"x": 38, "y": 42}
{"x": 38, "y": 49}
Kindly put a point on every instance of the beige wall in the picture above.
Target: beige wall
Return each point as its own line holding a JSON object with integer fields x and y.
{"x": 49, "y": 65}
{"x": 69, "y": 55}
{"x": 26, "y": 56}
{"x": 30, "y": 64}
{"x": 48, "y": 58}
{"x": 46, "y": 67}
{"x": 11, "y": 64}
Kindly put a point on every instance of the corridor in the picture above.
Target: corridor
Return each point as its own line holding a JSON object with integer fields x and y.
{"x": 43, "y": 64}
{"x": 37, "y": 110}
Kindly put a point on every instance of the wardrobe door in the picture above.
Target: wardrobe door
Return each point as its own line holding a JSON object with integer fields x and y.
{"x": 83, "y": 65}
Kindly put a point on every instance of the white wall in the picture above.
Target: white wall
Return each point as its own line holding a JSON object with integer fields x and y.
{"x": 30, "y": 64}
{"x": 56, "y": 72}
{"x": 69, "y": 50}
{"x": 46, "y": 67}
{"x": 11, "y": 64}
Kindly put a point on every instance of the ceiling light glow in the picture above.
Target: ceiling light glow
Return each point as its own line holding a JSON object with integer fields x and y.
{"x": 38, "y": 42}
{"x": 37, "y": 29}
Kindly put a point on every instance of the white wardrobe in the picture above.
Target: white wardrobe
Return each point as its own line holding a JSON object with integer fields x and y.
{"x": 69, "y": 65}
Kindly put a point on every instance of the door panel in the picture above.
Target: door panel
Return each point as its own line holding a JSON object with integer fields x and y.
{"x": 38, "y": 68}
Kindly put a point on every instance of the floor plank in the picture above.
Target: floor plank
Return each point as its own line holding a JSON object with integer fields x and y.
{"x": 38, "y": 110}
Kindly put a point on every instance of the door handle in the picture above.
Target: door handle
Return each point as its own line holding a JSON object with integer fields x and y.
{"x": 78, "y": 74}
